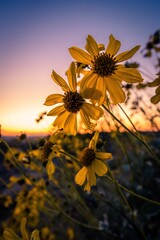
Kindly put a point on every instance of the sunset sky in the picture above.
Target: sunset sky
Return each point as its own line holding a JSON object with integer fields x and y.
{"x": 35, "y": 37}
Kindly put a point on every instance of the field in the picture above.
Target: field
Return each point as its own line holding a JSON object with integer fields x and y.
{"x": 60, "y": 209}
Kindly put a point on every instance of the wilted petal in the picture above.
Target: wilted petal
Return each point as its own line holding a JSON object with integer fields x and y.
{"x": 53, "y": 99}
{"x": 81, "y": 176}
{"x": 126, "y": 55}
{"x": 60, "y": 81}
{"x": 116, "y": 93}
{"x": 56, "y": 111}
{"x": 113, "y": 46}
{"x": 80, "y": 56}
{"x": 99, "y": 167}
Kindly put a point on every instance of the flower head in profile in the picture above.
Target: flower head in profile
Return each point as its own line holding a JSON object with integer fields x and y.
{"x": 93, "y": 163}
{"x": 72, "y": 104}
{"x": 9, "y": 234}
{"x": 106, "y": 71}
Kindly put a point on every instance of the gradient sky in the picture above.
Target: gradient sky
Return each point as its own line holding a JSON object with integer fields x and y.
{"x": 35, "y": 37}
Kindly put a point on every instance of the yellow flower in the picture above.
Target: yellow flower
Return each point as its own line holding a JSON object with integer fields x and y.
{"x": 92, "y": 164}
{"x": 72, "y": 104}
{"x": 105, "y": 72}
{"x": 9, "y": 234}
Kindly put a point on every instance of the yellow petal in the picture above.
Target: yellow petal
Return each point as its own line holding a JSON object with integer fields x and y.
{"x": 8, "y": 234}
{"x": 23, "y": 229}
{"x": 71, "y": 74}
{"x": 50, "y": 167}
{"x": 88, "y": 81}
{"x": 93, "y": 141}
{"x": 129, "y": 75}
{"x": 81, "y": 176}
{"x": 92, "y": 94}
{"x": 101, "y": 47}
{"x": 100, "y": 85}
{"x": 80, "y": 56}
{"x": 92, "y": 46}
{"x": 92, "y": 111}
{"x": 93, "y": 87}
{"x": 126, "y": 55}
{"x": 56, "y": 111}
{"x": 60, "y": 120}
{"x": 91, "y": 177}
{"x": 87, "y": 187}
{"x": 116, "y": 93}
{"x": 113, "y": 46}
{"x": 103, "y": 155}
{"x": 70, "y": 125}
{"x": 85, "y": 119}
{"x": 60, "y": 81}
{"x": 99, "y": 167}
{"x": 53, "y": 99}
{"x": 35, "y": 235}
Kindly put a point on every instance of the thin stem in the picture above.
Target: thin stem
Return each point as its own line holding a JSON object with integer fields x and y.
{"x": 121, "y": 193}
{"x": 128, "y": 118}
{"x": 135, "y": 194}
{"x": 137, "y": 137}
{"x": 127, "y": 203}
{"x": 69, "y": 155}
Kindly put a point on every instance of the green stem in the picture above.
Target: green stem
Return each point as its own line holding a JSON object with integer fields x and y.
{"x": 137, "y": 137}
{"x": 69, "y": 155}
{"x": 121, "y": 193}
{"x": 128, "y": 205}
{"x": 135, "y": 194}
{"x": 128, "y": 119}
{"x": 14, "y": 160}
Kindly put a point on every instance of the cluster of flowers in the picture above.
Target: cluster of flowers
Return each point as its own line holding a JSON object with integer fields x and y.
{"x": 102, "y": 74}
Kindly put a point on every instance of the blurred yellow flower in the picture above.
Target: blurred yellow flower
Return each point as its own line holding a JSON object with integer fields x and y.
{"x": 9, "y": 234}
{"x": 105, "y": 72}
{"x": 72, "y": 104}
{"x": 92, "y": 164}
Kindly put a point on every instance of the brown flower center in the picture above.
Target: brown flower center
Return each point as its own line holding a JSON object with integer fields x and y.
{"x": 73, "y": 101}
{"x": 104, "y": 64}
{"x": 87, "y": 156}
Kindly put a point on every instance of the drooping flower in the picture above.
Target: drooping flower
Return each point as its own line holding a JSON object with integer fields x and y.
{"x": 73, "y": 103}
{"x": 106, "y": 74}
{"x": 93, "y": 163}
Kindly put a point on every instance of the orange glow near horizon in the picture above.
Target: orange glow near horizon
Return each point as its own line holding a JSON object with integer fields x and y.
{"x": 35, "y": 38}
{"x": 44, "y": 127}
